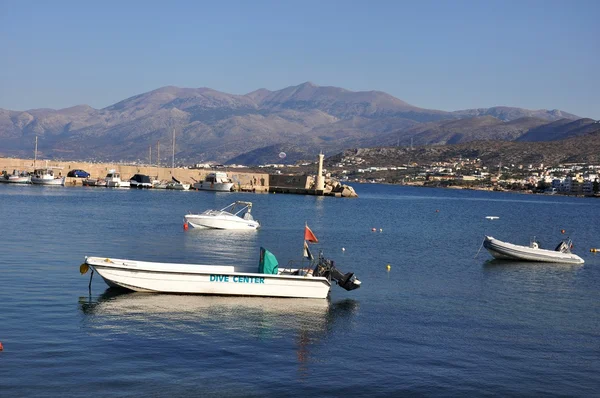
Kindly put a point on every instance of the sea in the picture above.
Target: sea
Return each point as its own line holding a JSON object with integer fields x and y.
{"x": 435, "y": 316}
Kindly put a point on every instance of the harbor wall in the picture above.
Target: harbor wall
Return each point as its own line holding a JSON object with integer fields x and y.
{"x": 245, "y": 180}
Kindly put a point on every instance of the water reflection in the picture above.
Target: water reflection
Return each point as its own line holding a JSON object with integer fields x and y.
{"x": 307, "y": 322}
{"x": 532, "y": 266}
{"x": 253, "y": 314}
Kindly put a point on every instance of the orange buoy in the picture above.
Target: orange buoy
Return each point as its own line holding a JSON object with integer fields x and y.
{"x": 185, "y": 226}
{"x": 593, "y": 250}
{"x": 1, "y": 348}
{"x": 437, "y": 211}
{"x": 562, "y": 231}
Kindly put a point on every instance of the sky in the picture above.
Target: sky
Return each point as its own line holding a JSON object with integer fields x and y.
{"x": 445, "y": 54}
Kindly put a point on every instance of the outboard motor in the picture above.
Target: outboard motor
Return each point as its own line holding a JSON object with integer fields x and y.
{"x": 327, "y": 269}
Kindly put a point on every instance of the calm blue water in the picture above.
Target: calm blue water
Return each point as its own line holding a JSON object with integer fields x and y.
{"x": 441, "y": 322}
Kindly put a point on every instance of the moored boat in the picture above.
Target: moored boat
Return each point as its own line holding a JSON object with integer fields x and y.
{"x": 17, "y": 177}
{"x": 237, "y": 215}
{"x": 218, "y": 181}
{"x": 178, "y": 185}
{"x": 140, "y": 181}
{"x": 113, "y": 180}
{"x": 509, "y": 251}
{"x": 45, "y": 176}
{"x": 268, "y": 280}
{"x": 94, "y": 182}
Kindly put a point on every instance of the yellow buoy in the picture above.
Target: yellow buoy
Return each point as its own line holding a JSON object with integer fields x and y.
{"x": 593, "y": 250}
{"x": 389, "y": 267}
{"x": 83, "y": 268}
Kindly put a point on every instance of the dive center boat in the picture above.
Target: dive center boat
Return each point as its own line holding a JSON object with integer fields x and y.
{"x": 508, "y": 251}
{"x": 266, "y": 280}
{"x": 235, "y": 216}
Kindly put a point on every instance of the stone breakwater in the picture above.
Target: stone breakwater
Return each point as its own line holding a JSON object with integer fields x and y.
{"x": 244, "y": 179}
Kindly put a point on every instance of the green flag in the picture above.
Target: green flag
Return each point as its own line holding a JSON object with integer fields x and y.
{"x": 268, "y": 263}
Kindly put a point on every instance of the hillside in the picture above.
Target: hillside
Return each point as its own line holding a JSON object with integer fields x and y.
{"x": 580, "y": 149}
{"x": 216, "y": 126}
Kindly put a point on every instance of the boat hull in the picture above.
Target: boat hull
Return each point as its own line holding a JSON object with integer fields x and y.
{"x": 508, "y": 251}
{"x": 227, "y": 222}
{"x": 217, "y": 186}
{"x": 118, "y": 184}
{"x": 48, "y": 181}
{"x": 205, "y": 279}
{"x": 16, "y": 180}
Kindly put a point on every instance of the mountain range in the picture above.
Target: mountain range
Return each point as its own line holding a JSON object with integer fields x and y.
{"x": 254, "y": 128}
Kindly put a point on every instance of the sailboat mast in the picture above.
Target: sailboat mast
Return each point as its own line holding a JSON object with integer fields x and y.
{"x": 150, "y": 151}
{"x": 157, "y": 158}
{"x": 173, "y": 161}
{"x": 35, "y": 153}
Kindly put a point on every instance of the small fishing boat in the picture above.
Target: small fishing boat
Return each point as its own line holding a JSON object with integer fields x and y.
{"x": 94, "y": 182}
{"x": 46, "y": 176}
{"x": 17, "y": 177}
{"x": 267, "y": 281}
{"x": 218, "y": 181}
{"x": 235, "y": 216}
{"x": 533, "y": 252}
{"x": 178, "y": 185}
{"x": 160, "y": 184}
{"x": 113, "y": 180}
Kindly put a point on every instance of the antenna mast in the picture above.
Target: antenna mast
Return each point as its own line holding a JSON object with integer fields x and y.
{"x": 35, "y": 153}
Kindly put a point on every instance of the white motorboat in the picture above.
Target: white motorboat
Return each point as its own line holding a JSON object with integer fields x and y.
{"x": 217, "y": 181}
{"x": 17, "y": 177}
{"x": 46, "y": 176}
{"x": 268, "y": 280}
{"x": 533, "y": 252}
{"x": 113, "y": 180}
{"x": 237, "y": 215}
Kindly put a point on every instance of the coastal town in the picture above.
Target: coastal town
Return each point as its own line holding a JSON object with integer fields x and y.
{"x": 566, "y": 179}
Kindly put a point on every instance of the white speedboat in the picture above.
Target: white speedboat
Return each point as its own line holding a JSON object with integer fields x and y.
{"x": 46, "y": 176}
{"x": 16, "y": 177}
{"x": 268, "y": 280}
{"x": 508, "y": 251}
{"x": 113, "y": 180}
{"x": 237, "y": 215}
{"x": 215, "y": 182}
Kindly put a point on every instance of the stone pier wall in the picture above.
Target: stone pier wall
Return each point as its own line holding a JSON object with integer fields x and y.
{"x": 244, "y": 179}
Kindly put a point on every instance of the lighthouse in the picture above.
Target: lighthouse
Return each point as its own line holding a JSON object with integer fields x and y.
{"x": 320, "y": 184}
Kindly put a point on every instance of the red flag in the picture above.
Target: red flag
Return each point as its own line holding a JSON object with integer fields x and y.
{"x": 309, "y": 236}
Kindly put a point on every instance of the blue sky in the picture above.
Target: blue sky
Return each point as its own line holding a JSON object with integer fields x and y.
{"x": 446, "y": 55}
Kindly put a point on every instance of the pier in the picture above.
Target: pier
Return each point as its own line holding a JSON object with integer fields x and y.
{"x": 245, "y": 179}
